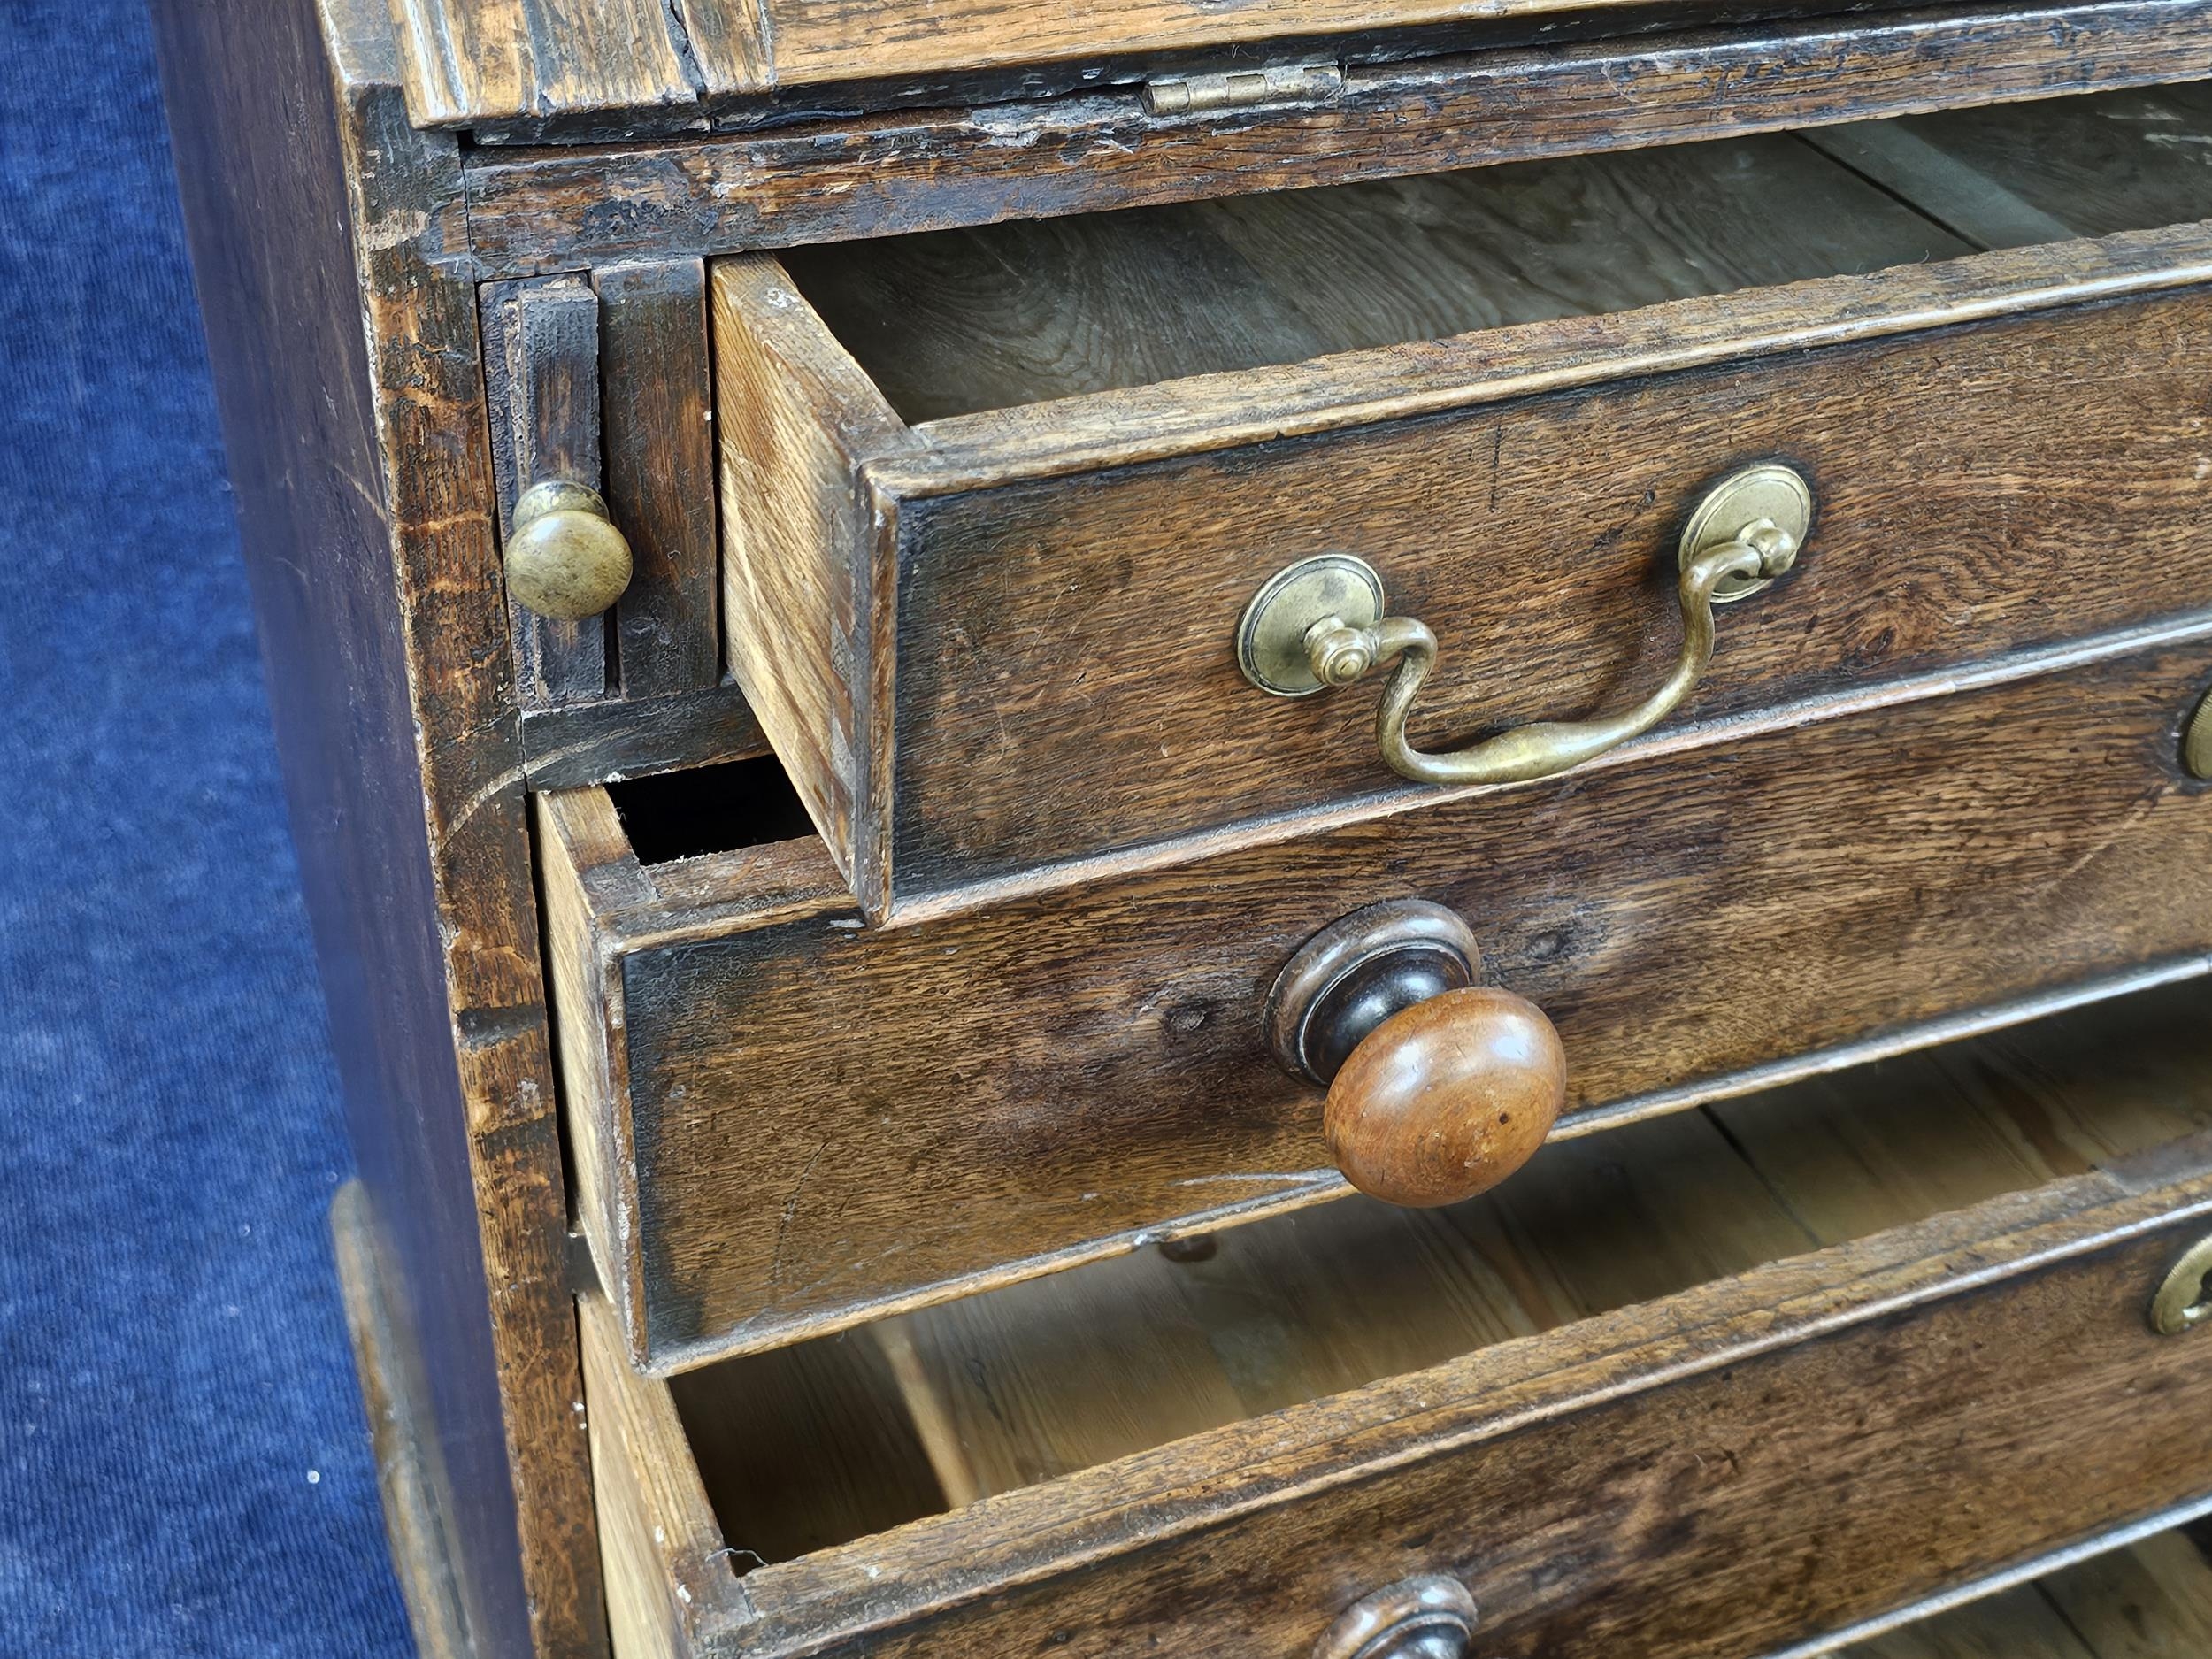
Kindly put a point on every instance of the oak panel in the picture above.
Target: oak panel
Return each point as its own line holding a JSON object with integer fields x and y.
{"x": 1068, "y": 688}
{"x": 546, "y": 209}
{"x": 830, "y": 1121}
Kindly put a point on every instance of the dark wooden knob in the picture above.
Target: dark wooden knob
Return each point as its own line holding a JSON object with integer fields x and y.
{"x": 1448, "y": 1098}
{"x": 1439, "y": 1089}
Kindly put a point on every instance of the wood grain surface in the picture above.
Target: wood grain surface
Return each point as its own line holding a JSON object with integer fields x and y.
{"x": 1674, "y": 1477}
{"x": 830, "y": 1122}
{"x": 1052, "y": 693}
{"x": 800, "y": 532}
{"x": 325, "y": 233}
{"x": 1066, "y": 1372}
{"x": 535, "y": 210}
{"x": 1068, "y": 688}
{"x": 473, "y": 62}
{"x": 660, "y": 474}
{"x": 590, "y": 742}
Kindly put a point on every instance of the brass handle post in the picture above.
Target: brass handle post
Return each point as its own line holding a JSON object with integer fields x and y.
{"x": 1318, "y": 625}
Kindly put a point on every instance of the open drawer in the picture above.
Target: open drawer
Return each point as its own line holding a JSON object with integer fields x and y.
{"x": 783, "y": 1121}
{"x": 1721, "y": 1384}
{"x": 995, "y": 502}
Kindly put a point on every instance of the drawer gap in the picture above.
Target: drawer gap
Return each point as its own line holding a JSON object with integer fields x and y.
{"x": 717, "y": 809}
{"x": 1036, "y": 1381}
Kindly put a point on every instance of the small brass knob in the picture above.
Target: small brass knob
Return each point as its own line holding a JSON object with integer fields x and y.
{"x": 1428, "y": 1617}
{"x": 2196, "y": 741}
{"x": 565, "y": 557}
{"x": 2184, "y": 1299}
{"x": 1439, "y": 1087}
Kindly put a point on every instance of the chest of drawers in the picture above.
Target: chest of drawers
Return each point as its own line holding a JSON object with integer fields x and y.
{"x": 943, "y": 668}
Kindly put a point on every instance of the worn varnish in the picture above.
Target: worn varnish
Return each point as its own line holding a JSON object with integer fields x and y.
{"x": 502, "y": 62}
{"x": 802, "y": 1122}
{"x": 546, "y": 210}
{"x": 660, "y": 472}
{"x": 1051, "y": 692}
{"x": 1693, "y": 1457}
{"x": 325, "y": 233}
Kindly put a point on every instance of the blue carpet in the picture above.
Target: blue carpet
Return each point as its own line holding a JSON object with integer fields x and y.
{"x": 183, "y": 1465}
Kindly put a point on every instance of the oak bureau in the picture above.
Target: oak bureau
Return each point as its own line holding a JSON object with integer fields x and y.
{"x": 1377, "y": 831}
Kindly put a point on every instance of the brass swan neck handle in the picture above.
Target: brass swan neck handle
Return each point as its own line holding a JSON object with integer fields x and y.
{"x": 1318, "y": 625}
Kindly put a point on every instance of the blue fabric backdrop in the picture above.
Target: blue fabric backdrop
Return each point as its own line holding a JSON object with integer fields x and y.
{"x": 183, "y": 1465}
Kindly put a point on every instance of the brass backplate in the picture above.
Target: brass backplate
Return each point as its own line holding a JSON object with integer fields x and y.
{"x": 2184, "y": 1302}
{"x": 2196, "y": 741}
{"x": 1272, "y": 636}
{"x": 1770, "y": 491}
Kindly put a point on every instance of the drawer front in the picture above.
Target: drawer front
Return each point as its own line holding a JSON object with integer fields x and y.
{"x": 1068, "y": 687}
{"x": 787, "y": 1123}
{"x": 1730, "y": 1470}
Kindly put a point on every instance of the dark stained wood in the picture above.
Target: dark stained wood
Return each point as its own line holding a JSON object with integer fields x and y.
{"x": 542, "y": 390}
{"x": 546, "y": 210}
{"x": 468, "y": 60}
{"x": 660, "y": 472}
{"x": 360, "y": 459}
{"x": 1723, "y": 1471}
{"x": 538, "y": 63}
{"x": 594, "y": 742}
{"x": 1066, "y": 699}
{"x": 960, "y": 321}
{"x": 829, "y": 1123}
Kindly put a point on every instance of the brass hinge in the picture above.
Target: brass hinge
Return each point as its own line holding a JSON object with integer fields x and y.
{"x": 1235, "y": 88}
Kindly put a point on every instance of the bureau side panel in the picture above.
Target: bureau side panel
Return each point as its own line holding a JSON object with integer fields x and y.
{"x": 829, "y": 1121}
{"x": 1068, "y": 685}
{"x": 361, "y": 474}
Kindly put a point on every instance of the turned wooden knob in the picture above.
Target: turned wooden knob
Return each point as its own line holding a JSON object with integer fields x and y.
{"x": 565, "y": 557}
{"x": 1446, "y": 1099}
{"x": 1439, "y": 1087}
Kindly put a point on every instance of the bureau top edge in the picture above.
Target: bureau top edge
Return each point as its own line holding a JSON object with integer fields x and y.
{"x": 523, "y": 73}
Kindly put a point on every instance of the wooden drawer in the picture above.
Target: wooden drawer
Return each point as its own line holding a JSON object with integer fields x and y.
{"x": 783, "y": 1122}
{"x": 995, "y": 645}
{"x": 1721, "y": 1384}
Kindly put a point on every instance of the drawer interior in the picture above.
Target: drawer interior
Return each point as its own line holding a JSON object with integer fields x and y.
{"x": 958, "y": 322}
{"x": 808, "y": 1447}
